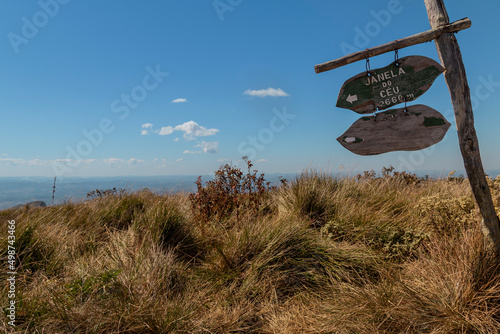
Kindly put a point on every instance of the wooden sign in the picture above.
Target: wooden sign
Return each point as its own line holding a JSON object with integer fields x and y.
{"x": 402, "y": 81}
{"x": 395, "y": 130}
{"x": 456, "y": 80}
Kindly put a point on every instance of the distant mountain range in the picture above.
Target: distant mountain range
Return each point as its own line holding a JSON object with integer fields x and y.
{"x": 15, "y": 191}
{"x": 20, "y": 190}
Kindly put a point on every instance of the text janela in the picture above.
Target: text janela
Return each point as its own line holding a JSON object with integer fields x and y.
{"x": 384, "y": 76}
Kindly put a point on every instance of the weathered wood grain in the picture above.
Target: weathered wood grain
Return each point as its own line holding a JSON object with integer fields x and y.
{"x": 456, "y": 79}
{"x": 402, "y": 81}
{"x": 420, "y": 38}
{"x": 395, "y": 130}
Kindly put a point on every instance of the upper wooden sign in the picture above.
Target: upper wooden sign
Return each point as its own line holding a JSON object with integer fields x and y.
{"x": 395, "y": 130}
{"x": 402, "y": 81}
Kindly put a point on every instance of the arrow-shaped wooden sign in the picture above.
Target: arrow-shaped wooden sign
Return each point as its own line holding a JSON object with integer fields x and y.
{"x": 402, "y": 81}
{"x": 395, "y": 130}
{"x": 456, "y": 80}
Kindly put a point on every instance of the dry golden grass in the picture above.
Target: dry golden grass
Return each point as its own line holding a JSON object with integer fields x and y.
{"x": 373, "y": 255}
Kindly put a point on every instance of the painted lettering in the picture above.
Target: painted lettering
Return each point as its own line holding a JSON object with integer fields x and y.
{"x": 389, "y": 92}
{"x": 387, "y": 75}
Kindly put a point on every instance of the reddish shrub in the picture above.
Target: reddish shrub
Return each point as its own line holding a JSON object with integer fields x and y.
{"x": 230, "y": 190}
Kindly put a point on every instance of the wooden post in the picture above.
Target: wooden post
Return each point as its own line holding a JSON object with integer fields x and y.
{"x": 456, "y": 79}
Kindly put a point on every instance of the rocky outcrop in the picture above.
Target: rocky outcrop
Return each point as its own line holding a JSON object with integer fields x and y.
{"x": 31, "y": 205}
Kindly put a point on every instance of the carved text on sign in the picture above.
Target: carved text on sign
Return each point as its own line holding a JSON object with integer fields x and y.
{"x": 402, "y": 81}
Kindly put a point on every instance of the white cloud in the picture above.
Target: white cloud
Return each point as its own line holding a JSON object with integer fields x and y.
{"x": 147, "y": 127}
{"x": 191, "y": 152}
{"x": 72, "y": 162}
{"x": 134, "y": 161}
{"x": 209, "y": 147}
{"x": 113, "y": 161}
{"x": 223, "y": 160}
{"x": 179, "y": 101}
{"x": 37, "y": 162}
{"x": 166, "y": 130}
{"x": 23, "y": 162}
{"x": 14, "y": 162}
{"x": 261, "y": 160}
{"x": 265, "y": 92}
{"x": 179, "y": 159}
{"x": 63, "y": 160}
{"x": 192, "y": 129}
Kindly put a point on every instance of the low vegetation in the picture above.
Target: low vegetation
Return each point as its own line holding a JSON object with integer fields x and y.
{"x": 388, "y": 253}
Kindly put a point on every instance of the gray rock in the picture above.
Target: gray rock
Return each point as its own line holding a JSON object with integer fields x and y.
{"x": 31, "y": 205}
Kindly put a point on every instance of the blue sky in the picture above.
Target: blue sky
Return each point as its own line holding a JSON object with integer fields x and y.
{"x": 99, "y": 88}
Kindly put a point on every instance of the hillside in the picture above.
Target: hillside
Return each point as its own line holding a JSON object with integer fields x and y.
{"x": 389, "y": 253}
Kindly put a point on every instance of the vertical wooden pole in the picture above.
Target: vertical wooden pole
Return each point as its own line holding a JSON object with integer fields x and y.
{"x": 54, "y": 190}
{"x": 456, "y": 79}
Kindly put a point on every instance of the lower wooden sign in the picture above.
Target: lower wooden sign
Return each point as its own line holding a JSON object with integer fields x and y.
{"x": 411, "y": 129}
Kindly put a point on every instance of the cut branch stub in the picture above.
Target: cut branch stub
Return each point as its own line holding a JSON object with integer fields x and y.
{"x": 402, "y": 81}
{"x": 396, "y": 130}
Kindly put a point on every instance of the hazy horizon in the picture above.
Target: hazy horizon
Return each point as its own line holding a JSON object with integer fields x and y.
{"x": 21, "y": 190}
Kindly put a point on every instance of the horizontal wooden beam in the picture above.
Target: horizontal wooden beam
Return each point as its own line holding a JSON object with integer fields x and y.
{"x": 420, "y": 38}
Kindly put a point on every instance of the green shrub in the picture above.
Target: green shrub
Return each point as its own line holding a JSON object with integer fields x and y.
{"x": 389, "y": 173}
{"x": 395, "y": 242}
{"x": 445, "y": 213}
{"x": 98, "y": 193}
{"x": 398, "y": 243}
{"x": 494, "y": 185}
{"x": 83, "y": 288}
